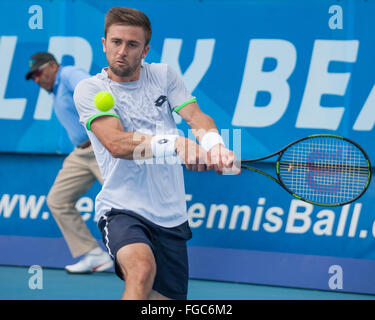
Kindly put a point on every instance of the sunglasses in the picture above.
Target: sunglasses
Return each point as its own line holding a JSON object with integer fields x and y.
{"x": 39, "y": 72}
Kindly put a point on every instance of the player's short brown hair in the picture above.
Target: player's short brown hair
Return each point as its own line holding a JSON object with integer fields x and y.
{"x": 128, "y": 17}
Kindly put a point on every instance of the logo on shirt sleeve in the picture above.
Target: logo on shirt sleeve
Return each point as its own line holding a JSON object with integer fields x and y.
{"x": 159, "y": 101}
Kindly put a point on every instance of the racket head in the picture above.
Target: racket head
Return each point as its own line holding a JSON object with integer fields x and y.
{"x": 325, "y": 170}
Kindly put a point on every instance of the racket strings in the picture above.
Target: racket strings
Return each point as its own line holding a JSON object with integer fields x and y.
{"x": 325, "y": 170}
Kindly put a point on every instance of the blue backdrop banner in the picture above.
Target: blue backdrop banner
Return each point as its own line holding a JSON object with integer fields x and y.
{"x": 282, "y": 69}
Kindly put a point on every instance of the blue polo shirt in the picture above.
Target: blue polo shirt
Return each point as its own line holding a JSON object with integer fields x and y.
{"x": 63, "y": 104}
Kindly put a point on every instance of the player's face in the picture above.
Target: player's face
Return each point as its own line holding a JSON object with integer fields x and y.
{"x": 125, "y": 47}
{"x": 45, "y": 76}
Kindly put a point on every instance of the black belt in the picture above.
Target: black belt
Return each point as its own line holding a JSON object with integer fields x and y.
{"x": 84, "y": 145}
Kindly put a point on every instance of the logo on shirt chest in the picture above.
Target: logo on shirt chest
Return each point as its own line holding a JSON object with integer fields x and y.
{"x": 159, "y": 101}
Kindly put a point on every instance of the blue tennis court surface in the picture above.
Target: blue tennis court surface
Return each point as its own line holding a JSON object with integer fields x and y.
{"x": 58, "y": 285}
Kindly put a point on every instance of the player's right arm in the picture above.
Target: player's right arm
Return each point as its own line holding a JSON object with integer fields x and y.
{"x": 121, "y": 144}
{"x": 108, "y": 129}
{"x": 106, "y": 126}
{"x": 133, "y": 145}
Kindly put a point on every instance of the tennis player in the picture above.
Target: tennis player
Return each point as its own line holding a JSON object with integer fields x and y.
{"x": 141, "y": 207}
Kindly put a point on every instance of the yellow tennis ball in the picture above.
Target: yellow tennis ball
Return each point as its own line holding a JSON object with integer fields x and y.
{"x": 104, "y": 101}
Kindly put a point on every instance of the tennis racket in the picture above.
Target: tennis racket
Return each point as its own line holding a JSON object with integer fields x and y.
{"x": 325, "y": 170}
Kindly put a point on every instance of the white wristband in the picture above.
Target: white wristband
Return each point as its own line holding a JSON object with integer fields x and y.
{"x": 163, "y": 145}
{"x": 211, "y": 139}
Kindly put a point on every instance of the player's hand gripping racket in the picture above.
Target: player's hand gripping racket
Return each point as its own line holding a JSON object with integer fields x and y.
{"x": 323, "y": 169}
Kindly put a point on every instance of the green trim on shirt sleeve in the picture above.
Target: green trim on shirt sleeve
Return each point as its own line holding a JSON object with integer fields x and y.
{"x": 184, "y": 104}
{"x": 92, "y": 118}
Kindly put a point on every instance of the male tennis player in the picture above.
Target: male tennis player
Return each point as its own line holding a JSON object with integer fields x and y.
{"x": 142, "y": 206}
{"x": 80, "y": 169}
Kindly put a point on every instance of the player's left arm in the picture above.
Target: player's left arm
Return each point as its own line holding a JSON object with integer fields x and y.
{"x": 207, "y": 134}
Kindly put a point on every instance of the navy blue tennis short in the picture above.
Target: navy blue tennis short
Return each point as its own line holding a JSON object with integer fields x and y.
{"x": 120, "y": 228}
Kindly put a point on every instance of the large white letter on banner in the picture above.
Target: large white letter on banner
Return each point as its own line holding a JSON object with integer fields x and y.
{"x": 81, "y": 51}
{"x": 274, "y": 82}
{"x": 9, "y": 108}
{"x": 366, "y": 118}
{"x": 198, "y": 67}
{"x": 320, "y": 82}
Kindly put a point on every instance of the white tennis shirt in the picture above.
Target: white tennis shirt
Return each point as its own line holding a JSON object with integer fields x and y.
{"x": 154, "y": 191}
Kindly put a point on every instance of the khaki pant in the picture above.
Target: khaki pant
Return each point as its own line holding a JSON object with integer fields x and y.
{"x": 78, "y": 173}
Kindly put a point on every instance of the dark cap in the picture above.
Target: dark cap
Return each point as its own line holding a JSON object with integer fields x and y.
{"x": 37, "y": 60}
